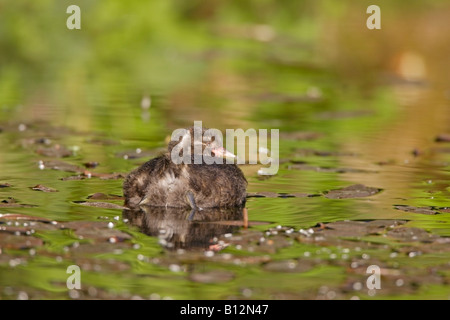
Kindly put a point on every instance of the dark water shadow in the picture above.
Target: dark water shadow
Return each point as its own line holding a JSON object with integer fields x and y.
{"x": 175, "y": 230}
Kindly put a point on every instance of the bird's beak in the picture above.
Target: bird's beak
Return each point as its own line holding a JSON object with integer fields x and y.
{"x": 222, "y": 152}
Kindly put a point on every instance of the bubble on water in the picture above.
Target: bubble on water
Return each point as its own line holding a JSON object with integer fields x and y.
{"x": 399, "y": 282}
{"x": 365, "y": 256}
{"x": 112, "y": 240}
{"x": 354, "y": 265}
{"x": 92, "y": 291}
{"x": 393, "y": 255}
{"x": 357, "y": 286}
{"x": 22, "y": 296}
{"x": 155, "y": 296}
{"x": 74, "y": 294}
{"x": 117, "y": 218}
{"x": 136, "y": 246}
{"x": 372, "y": 292}
{"x": 22, "y": 127}
{"x": 14, "y": 262}
{"x": 307, "y": 254}
{"x": 209, "y": 253}
{"x": 138, "y": 150}
{"x": 140, "y": 257}
{"x": 174, "y": 268}
{"x": 146, "y": 102}
{"x": 247, "y": 292}
{"x": 110, "y": 225}
{"x": 227, "y": 256}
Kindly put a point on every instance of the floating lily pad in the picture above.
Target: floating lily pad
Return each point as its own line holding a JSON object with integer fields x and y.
{"x": 214, "y": 276}
{"x": 62, "y": 166}
{"x": 136, "y": 154}
{"x": 411, "y": 235}
{"x": 354, "y": 191}
{"x": 90, "y": 175}
{"x": 16, "y": 216}
{"x": 97, "y": 230}
{"x": 12, "y": 241}
{"x": 102, "y": 196}
{"x": 307, "y": 167}
{"x": 289, "y": 266}
{"x": 421, "y": 210}
{"x": 102, "y": 141}
{"x": 12, "y": 203}
{"x": 42, "y": 188}
{"x": 103, "y": 205}
{"x": 56, "y": 151}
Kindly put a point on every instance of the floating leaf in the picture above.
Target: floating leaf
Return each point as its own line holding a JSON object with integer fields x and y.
{"x": 354, "y": 191}
{"x": 103, "y": 205}
{"x": 307, "y": 167}
{"x": 102, "y": 196}
{"x": 214, "y": 276}
{"x": 56, "y": 151}
{"x": 422, "y": 210}
{"x": 42, "y": 188}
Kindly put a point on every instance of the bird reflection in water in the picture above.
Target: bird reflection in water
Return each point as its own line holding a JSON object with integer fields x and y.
{"x": 177, "y": 228}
